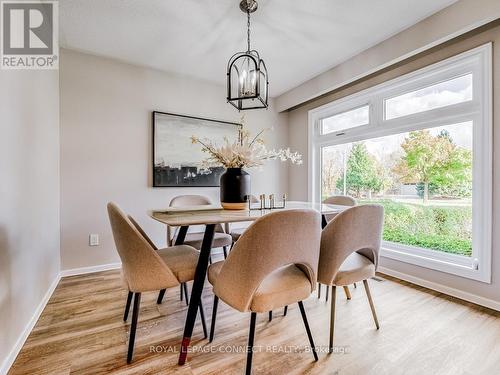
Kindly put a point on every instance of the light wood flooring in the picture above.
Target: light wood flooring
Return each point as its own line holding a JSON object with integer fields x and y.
{"x": 422, "y": 332}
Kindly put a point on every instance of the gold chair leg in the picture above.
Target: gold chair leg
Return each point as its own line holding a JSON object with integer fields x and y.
{"x": 332, "y": 318}
{"x": 368, "y": 294}
{"x": 347, "y": 292}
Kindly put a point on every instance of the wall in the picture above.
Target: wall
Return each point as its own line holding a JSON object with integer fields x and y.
{"x": 29, "y": 201}
{"x": 457, "y": 19}
{"x": 106, "y": 147}
{"x": 298, "y": 140}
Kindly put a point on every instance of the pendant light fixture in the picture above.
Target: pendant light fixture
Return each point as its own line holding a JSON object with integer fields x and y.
{"x": 247, "y": 81}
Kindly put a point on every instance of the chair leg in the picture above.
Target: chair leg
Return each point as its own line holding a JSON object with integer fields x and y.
{"x": 160, "y": 296}
{"x": 355, "y": 286}
{"x": 319, "y": 290}
{"x": 271, "y": 315}
{"x": 181, "y": 291}
{"x": 203, "y": 322}
{"x": 251, "y": 336}
{"x": 308, "y": 330}
{"x": 224, "y": 249}
{"x": 347, "y": 292}
{"x": 214, "y": 316}
{"x": 133, "y": 327}
{"x": 186, "y": 293}
{"x": 285, "y": 311}
{"x": 332, "y": 317}
{"x": 370, "y": 300}
{"x": 127, "y": 306}
{"x": 327, "y": 292}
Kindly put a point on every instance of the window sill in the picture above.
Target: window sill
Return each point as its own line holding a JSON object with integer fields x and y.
{"x": 439, "y": 261}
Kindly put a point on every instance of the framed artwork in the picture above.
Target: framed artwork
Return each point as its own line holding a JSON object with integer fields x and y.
{"x": 176, "y": 161}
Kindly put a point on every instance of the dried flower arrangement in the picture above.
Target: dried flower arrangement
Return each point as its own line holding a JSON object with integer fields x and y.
{"x": 245, "y": 152}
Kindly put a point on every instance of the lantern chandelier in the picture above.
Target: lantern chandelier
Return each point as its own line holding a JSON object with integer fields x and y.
{"x": 247, "y": 81}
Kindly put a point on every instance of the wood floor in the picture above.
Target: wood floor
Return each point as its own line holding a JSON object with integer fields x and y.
{"x": 422, "y": 332}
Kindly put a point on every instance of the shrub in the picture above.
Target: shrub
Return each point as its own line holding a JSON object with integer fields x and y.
{"x": 444, "y": 228}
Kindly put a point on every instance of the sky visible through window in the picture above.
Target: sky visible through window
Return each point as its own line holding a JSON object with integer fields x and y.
{"x": 453, "y": 91}
{"x": 345, "y": 120}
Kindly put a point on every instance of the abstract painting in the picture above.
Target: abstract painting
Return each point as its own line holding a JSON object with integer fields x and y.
{"x": 176, "y": 161}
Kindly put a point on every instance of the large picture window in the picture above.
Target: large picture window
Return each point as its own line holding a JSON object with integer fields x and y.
{"x": 419, "y": 145}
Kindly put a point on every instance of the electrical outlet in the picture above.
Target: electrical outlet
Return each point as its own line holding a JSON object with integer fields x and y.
{"x": 93, "y": 240}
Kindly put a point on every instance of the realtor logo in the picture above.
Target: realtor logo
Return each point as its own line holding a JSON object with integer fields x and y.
{"x": 29, "y": 37}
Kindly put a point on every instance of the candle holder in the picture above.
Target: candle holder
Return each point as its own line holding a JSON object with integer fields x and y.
{"x": 263, "y": 203}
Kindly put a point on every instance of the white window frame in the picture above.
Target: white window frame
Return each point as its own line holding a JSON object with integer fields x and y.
{"x": 477, "y": 61}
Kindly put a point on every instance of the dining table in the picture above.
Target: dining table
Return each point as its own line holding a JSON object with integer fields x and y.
{"x": 210, "y": 216}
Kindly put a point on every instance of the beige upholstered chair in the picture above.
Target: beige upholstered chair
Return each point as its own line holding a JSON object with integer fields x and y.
{"x": 146, "y": 269}
{"x": 342, "y": 200}
{"x": 350, "y": 246}
{"x": 272, "y": 265}
{"x": 237, "y": 232}
{"x": 221, "y": 239}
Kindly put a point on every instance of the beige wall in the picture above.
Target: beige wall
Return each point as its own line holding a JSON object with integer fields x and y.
{"x": 29, "y": 198}
{"x": 106, "y": 147}
{"x": 298, "y": 140}
{"x": 452, "y": 21}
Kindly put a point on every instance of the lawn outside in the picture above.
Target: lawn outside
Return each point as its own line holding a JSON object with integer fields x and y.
{"x": 440, "y": 224}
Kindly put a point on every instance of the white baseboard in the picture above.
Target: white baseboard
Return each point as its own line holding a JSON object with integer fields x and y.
{"x": 469, "y": 297}
{"x": 91, "y": 269}
{"x": 7, "y": 363}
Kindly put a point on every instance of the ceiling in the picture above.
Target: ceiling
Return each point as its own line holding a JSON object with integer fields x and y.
{"x": 297, "y": 39}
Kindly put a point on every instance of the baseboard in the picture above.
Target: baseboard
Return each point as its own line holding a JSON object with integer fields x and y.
{"x": 7, "y": 363}
{"x": 91, "y": 269}
{"x": 469, "y": 297}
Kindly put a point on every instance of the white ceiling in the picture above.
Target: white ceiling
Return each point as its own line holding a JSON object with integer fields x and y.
{"x": 297, "y": 39}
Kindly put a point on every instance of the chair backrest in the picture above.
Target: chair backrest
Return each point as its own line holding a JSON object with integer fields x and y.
{"x": 357, "y": 229}
{"x": 278, "y": 239}
{"x": 141, "y": 231}
{"x": 189, "y": 200}
{"x": 143, "y": 269}
{"x": 342, "y": 200}
{"x": 193, "y": 200}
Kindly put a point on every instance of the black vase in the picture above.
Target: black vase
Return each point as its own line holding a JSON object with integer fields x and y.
{"x": 234, "y": 189}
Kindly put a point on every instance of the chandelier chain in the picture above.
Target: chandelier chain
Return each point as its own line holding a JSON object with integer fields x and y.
{"x": 248, "y": 30}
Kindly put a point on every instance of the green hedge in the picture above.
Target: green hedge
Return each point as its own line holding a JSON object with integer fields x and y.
{"x": 444, "y": 228}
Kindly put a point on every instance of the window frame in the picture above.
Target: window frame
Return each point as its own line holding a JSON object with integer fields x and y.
{"x": 338, "y": 111}
{"x": 477, "y": 61}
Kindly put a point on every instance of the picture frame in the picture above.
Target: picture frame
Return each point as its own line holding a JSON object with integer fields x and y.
{"x": 176, "y": 161}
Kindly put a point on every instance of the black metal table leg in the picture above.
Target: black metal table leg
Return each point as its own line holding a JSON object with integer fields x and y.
{"x": 199, "y": 281}
{"x": 181, "y": 236}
